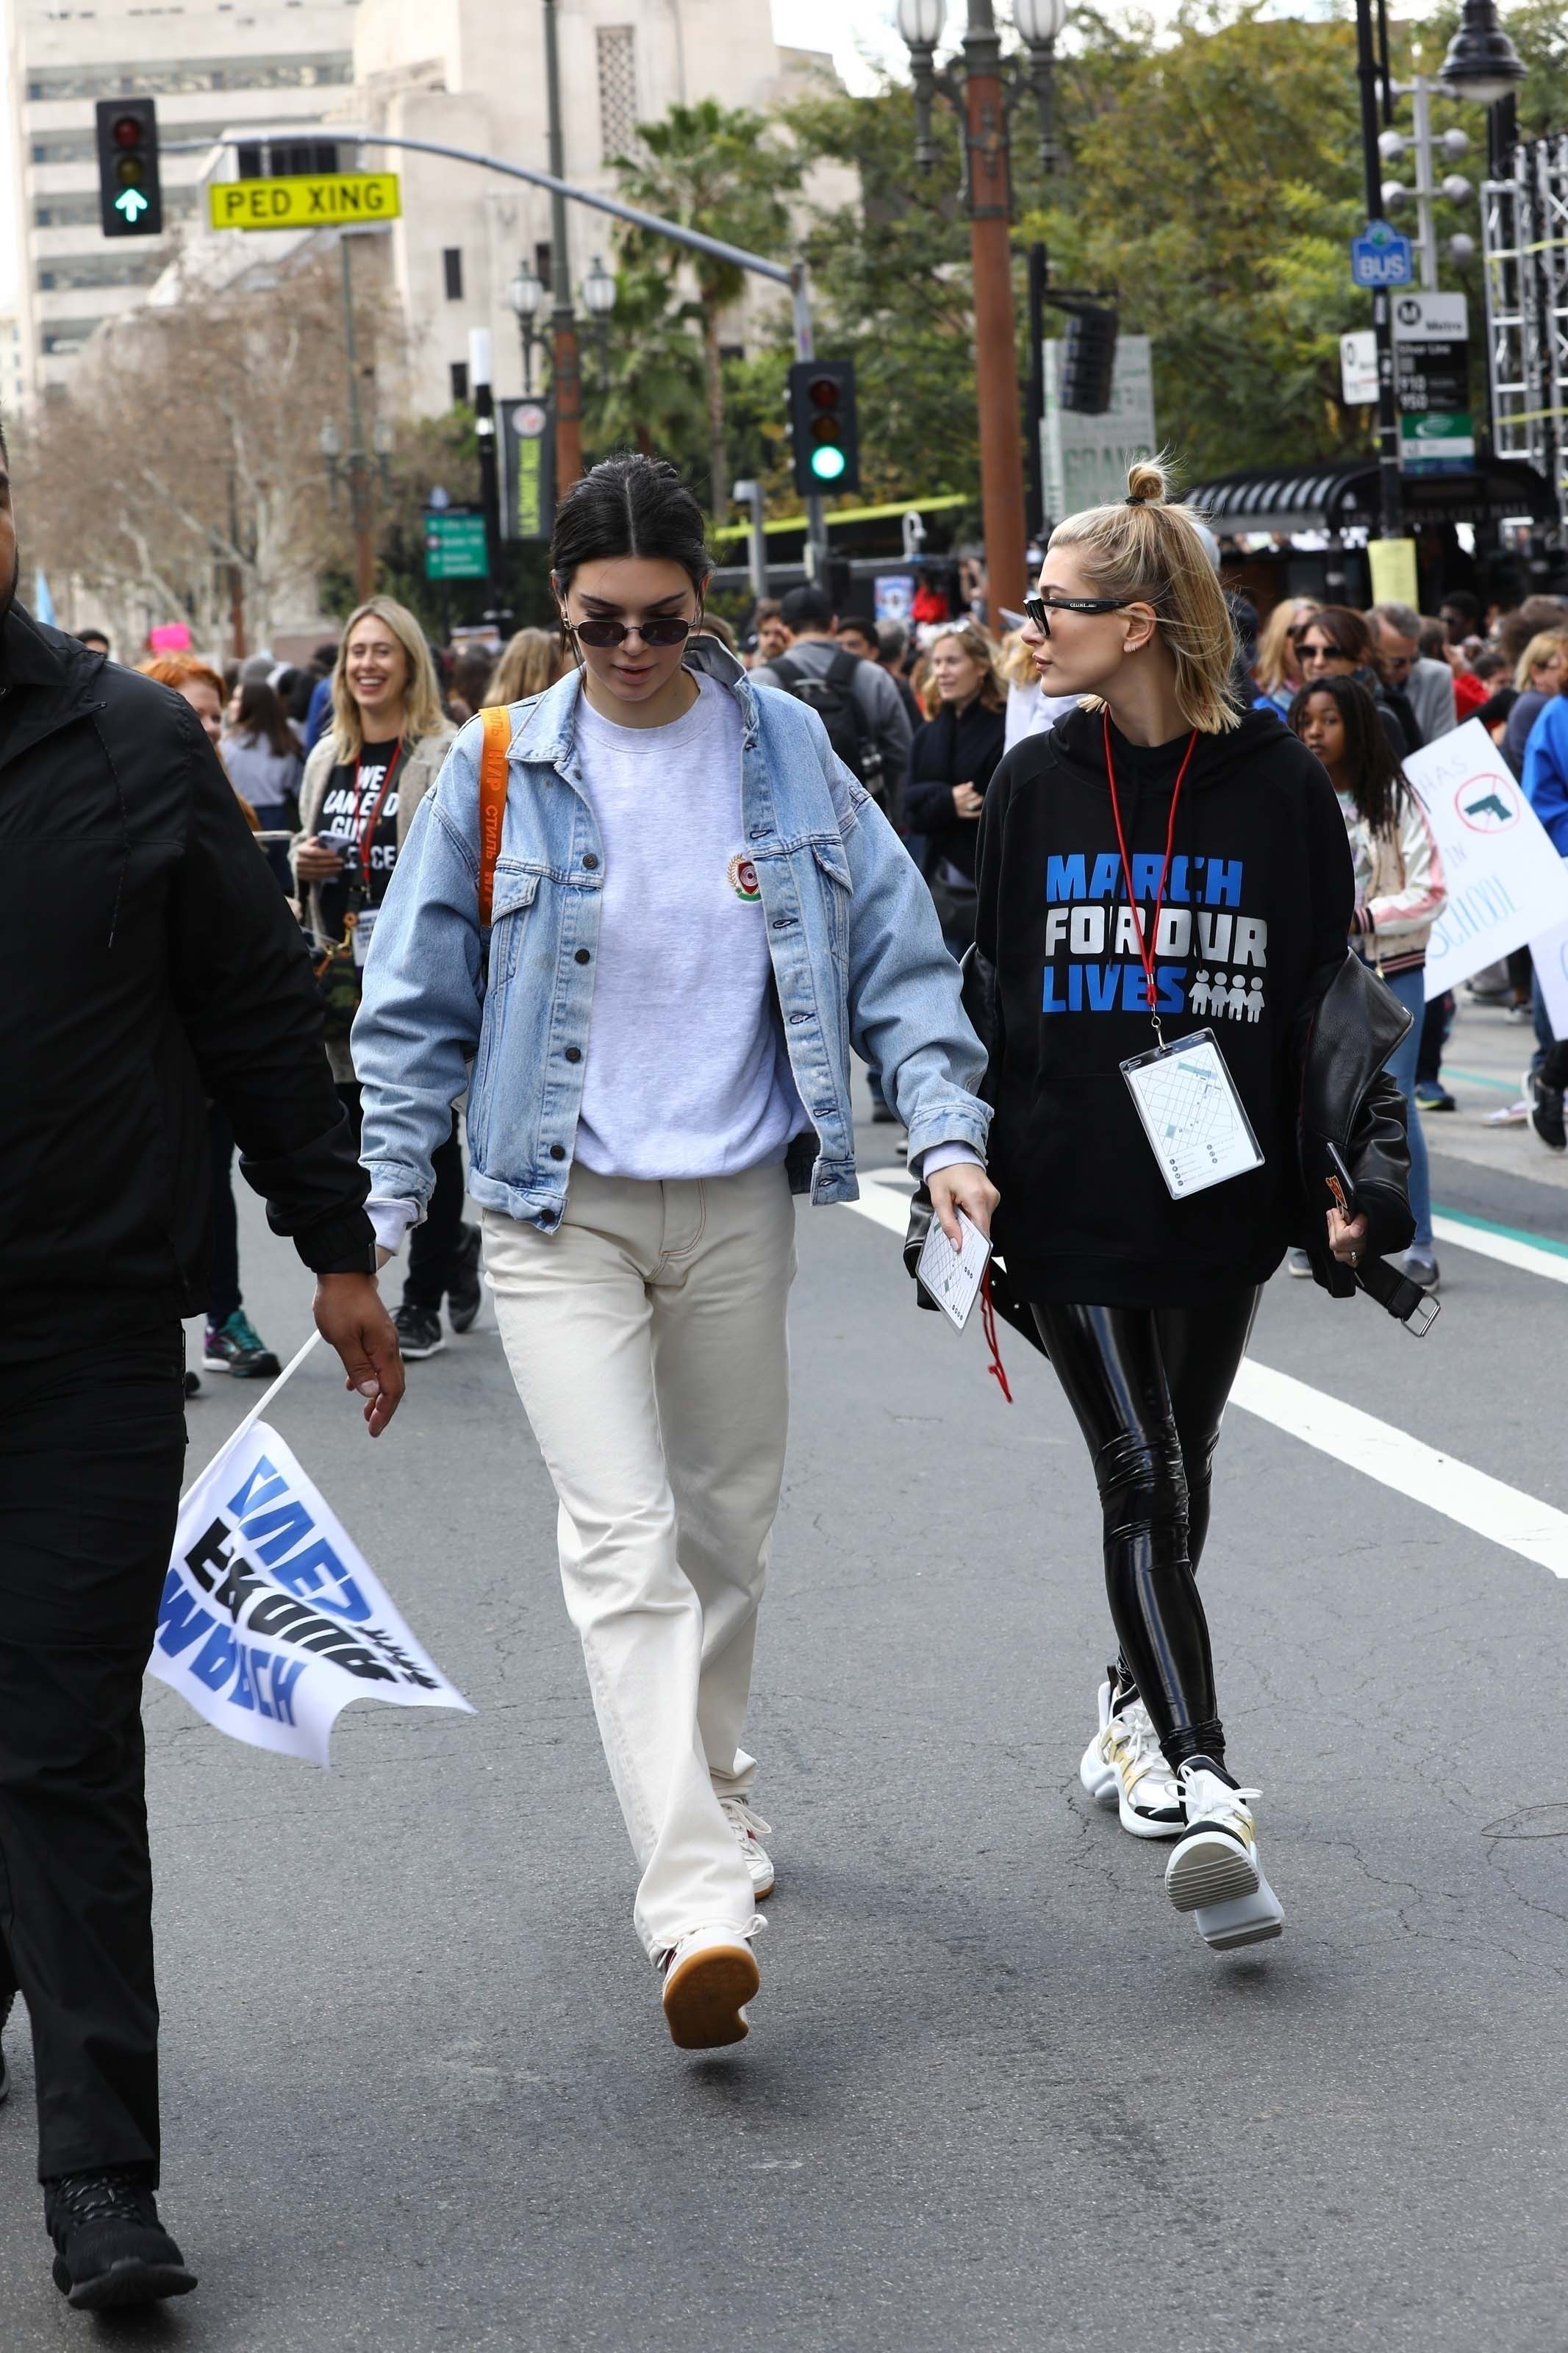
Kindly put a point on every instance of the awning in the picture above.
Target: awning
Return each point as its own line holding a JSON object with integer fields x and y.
{"x": 1343, "y": 497}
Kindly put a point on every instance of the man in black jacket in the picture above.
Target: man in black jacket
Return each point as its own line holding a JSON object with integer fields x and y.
{"x": 147, "y": 964}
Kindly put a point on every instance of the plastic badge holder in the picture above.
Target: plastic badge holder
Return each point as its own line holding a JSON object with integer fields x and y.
{"x": 953, "y": 1277}
{"x": 1196, "y": 1122}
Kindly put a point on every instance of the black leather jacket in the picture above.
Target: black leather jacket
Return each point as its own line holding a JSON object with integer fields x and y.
{"x": 1352, "y": 1150}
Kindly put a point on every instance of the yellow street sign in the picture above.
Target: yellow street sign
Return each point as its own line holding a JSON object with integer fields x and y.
{"x": 315, "y": 202}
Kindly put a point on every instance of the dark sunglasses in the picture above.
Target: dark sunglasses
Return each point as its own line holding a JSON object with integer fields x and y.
{"x": 1320, "y": 653}
{"x": 1039, "y": 609}
{"x": 667, "y": 629}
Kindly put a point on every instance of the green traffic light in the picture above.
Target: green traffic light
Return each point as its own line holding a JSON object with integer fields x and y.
{"x": 826, "y": 462}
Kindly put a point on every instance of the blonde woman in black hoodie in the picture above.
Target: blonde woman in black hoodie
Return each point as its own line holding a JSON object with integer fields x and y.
{"x": 1160, "y": 864}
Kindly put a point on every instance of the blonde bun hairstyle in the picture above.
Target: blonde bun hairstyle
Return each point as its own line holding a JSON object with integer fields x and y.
{"x": 1151, "y": 552}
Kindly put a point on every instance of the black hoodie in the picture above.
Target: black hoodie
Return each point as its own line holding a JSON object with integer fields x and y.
{"x": 1256, "y": 910}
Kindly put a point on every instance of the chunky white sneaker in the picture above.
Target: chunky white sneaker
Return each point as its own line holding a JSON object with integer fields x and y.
{"x": 708, "y": 1979}
{"x": 750, "y": 1830}
{"x": 1124, "y": 1768}
{"x": 1213, "y": 1872}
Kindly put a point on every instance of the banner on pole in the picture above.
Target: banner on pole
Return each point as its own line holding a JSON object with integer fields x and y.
{"x": 271, "y": 1619}
{"x": 1506, "y": 886}
{"x": 528, "y": 469}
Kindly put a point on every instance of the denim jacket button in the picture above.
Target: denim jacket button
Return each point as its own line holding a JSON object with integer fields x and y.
{"x": 558, "y": 1152}
{"x": 583, "y": 956}
{"x": 574, "y": 1053}
{"x": 589, "y": 861}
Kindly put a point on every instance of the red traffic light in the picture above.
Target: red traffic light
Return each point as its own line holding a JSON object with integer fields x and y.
{"x": 128, "y": 131}
{"x": 823, "y": 392}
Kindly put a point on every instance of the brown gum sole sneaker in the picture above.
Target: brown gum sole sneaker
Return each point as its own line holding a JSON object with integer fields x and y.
{"x": 704, "y": 1997}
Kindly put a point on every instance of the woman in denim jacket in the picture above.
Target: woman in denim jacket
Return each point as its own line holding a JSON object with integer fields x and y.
{"x": 696, "y": 911}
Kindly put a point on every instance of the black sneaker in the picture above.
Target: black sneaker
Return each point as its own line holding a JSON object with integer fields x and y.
{"x": 4, "y": 2071}
{"x": 1546, "y": 1114}
{"x": 419, "y": 1333}
{"x": 237, "y": 1347}
{"x": 463, "y": 1293}
{"x": 111, "y": 2248}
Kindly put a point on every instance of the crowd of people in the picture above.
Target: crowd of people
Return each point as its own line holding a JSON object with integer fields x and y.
{"x": 631, "y": 903}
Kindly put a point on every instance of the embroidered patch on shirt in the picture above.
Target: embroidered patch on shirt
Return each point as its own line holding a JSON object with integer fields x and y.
{"x": 743, "y": 877}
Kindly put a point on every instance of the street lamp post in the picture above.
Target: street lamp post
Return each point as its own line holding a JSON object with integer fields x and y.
{"x": 598, "y": 292}
{"x": 525, "y": 293}
{"x": 981, "y": 97}
{"x": 566, "y": 372}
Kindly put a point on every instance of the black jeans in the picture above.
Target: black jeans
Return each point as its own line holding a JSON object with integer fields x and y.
{"x": 432, "y": 1246}
{"x": 225, "y": 1299}
{"x": 91, "y": 1449}
{"x": 1148, "y": 1387}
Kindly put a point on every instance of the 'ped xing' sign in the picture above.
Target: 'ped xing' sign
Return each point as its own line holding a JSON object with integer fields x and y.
{"x": 1381, "y": 256}
{"x": 271, "y": 1619}
{"x": 1506, "y": 886}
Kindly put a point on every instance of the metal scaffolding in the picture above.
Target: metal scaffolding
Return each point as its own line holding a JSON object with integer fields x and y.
{"x": 1524, "y": 231}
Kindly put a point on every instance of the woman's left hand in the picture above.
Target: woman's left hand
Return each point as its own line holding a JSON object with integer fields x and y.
{"x": 964, "y": 1187}
{"x": 1347, "y": 1238}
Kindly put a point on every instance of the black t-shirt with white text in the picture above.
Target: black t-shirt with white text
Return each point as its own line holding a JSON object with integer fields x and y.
{"x": 359, "y": 818}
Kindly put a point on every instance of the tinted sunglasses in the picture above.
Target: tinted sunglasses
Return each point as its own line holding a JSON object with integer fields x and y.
{"x": 1039, "y": 609}
{"x": 666, "y": 630}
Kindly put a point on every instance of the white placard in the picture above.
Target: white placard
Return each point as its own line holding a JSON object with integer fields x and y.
{"x": 1506, "y": 883}
{"x": 953, "y": 1277}
{"x": 271, "y": 1618}
{"x": 1548, "y": 951}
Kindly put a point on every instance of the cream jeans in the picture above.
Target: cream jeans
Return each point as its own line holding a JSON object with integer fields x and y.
{"x": 647, "y": 1339}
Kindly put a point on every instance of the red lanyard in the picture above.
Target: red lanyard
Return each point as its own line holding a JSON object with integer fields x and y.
{"x": 363, "y": 847}
{"x": 1146, "y": 943}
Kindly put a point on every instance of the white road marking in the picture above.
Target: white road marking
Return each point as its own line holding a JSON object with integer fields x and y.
{"x": 1489, "y": 1507}
{"x": 1509, "y": 1250}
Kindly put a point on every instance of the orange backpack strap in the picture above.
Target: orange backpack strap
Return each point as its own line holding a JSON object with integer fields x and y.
{"x": 497, "y": 724}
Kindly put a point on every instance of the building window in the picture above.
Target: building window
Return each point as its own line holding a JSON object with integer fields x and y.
{"x": 286, "y": 159}
{"x": 452, "y": 271}
{"x": 617, "y": 90}
{"x": 460, "y": 382}
{"x": 176, "y": 77}
{"x": 83, "y": 211}
{"x": 66, "y": 271}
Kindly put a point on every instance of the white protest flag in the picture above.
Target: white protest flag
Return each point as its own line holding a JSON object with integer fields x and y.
{"x": 271, "y": 1618}
{"x": 1506, "y": 885}
{"x": 1549, "y": 952}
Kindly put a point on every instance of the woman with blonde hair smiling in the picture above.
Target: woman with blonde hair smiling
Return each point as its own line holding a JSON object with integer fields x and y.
{"x": 363, "y": 783}
{"x": 950, "y": 763}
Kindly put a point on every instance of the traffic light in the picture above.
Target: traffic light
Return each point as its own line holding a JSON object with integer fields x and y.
{"x": 1088, "y": 360}
{"x": 130, "y": 193}
{"x": 822, "y": 426}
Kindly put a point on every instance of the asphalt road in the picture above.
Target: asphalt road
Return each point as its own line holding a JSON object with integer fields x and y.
{"x": 418, "y": 2093}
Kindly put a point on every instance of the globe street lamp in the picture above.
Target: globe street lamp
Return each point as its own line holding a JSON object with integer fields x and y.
{"x": 1482, "y": 63}
{"x": 980, "y": 96}
{"x": 598, "y": 292}
{"x": 525, "y": 293}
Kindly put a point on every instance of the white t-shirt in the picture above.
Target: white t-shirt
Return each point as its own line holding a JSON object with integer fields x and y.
{"x": 686, "y": 1073}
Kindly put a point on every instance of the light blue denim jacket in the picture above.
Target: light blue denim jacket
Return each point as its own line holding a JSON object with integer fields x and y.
{"x": 856, "y": 952}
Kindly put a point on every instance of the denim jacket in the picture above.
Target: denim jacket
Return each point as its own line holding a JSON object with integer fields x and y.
{"x": 857, "y": 960}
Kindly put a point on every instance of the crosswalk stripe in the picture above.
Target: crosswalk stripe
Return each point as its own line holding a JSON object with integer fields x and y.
{"x": 1506, "y": 1244}
{"x": 1489, "y": 1507}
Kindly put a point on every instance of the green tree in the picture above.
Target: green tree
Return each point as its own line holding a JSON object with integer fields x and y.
{"x": 728, "y": 174}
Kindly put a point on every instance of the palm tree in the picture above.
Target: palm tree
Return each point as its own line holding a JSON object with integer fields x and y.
{"x": 719, "y": 170}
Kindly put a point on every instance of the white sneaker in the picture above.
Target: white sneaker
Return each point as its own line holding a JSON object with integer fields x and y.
{"x": 708, "y": 1978}
{"x": 1213, "y": 1872}
{"x": 750, "y": 1829}
{"x": 1124, "y": 1768}
{"x": 1298, "y": 1263}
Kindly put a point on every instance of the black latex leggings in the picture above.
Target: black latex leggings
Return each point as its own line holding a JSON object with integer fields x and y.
{"x": 1149, "y": 1386}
